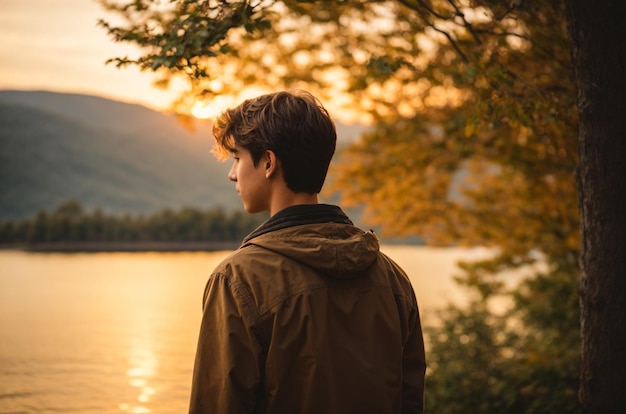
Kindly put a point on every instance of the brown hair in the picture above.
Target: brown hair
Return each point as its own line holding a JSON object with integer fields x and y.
{"x": 294, "y": 125}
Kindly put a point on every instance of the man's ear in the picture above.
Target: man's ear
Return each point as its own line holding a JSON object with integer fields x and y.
{"x": 271, "y": 163}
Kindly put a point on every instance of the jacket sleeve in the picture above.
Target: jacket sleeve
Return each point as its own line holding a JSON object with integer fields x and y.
{"x": 414, "y": 366}
{"x": 227, "y": 368}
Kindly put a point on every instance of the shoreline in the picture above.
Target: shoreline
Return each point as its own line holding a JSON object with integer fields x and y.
{"x": 125, "y": 247}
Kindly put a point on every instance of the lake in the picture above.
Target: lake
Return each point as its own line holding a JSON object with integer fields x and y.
{"x": 116, "y": 332}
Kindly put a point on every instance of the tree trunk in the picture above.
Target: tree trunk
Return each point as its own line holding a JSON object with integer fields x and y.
{"x": 598, "y": 38}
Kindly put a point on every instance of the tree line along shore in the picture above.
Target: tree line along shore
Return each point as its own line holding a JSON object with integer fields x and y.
{"x": 70, "y": 227}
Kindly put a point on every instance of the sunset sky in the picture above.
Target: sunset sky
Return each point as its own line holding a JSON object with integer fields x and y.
{"x": 56, "y": 45}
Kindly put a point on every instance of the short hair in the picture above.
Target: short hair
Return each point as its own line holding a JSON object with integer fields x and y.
{"x": 294, "y": 125}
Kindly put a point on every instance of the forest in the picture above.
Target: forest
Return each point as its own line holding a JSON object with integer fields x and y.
{"x": 71, "y": 223}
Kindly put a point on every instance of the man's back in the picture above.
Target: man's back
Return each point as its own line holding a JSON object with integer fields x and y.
{"x": 311, "y": 318}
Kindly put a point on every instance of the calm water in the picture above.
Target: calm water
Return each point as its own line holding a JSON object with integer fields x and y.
{"x": 116, "y": 332}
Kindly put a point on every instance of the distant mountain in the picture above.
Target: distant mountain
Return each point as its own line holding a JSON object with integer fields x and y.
{"x": 123, "y": 158}
{"x": 120, "y": 157}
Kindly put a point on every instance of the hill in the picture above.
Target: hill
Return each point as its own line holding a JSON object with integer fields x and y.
{"x": 123, "y": 158}
{"x": 120, "y": 157}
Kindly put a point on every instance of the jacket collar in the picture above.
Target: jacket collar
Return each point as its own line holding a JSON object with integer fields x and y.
{"x": 298, "y": 215}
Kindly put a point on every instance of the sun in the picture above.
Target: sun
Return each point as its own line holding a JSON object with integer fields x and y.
{"x": 210, "y": 109}
{"x": 203, "y": 110}
{"x": 213, "y": 108}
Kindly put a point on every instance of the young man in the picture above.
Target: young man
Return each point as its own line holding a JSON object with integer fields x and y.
{"x": 307, "y": 315}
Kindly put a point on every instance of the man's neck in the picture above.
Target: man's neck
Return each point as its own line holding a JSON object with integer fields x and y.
{"x": 291, "y": 199}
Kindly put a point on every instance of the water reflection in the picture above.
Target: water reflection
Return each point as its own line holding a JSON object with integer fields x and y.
{"x": 99, "y": 333}
{"x": 143, "y": 366}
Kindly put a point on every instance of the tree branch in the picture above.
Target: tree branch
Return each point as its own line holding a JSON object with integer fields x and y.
{"x": 419, "y": 9}
{"x": 466, "y": 24}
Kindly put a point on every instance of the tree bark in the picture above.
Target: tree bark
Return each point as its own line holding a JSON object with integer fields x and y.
{"x": 598, "y": 39}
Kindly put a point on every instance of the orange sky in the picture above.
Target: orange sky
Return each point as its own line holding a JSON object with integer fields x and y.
{"x": 56, "y": 45}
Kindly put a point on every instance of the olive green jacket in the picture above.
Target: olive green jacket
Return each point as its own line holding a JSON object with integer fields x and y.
{"x": 309, "y": 319}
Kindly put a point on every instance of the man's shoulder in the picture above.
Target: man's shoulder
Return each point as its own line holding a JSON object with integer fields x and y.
{"x": 244, "y": 259}
{"x": 397, "y": 277}
{"x": 244, "y": 253}
{"x": 263, "y": 278}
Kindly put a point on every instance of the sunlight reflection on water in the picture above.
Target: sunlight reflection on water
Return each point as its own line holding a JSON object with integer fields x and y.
{"x": 143, "y": 366}
{"x": 99, "y": 333}
{"x": 116, "y": 332}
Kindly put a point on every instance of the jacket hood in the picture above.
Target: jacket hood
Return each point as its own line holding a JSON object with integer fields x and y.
{"x": 338, "y": 250}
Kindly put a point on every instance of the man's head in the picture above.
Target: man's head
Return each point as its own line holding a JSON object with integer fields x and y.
{"x": 293, "y": 125}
